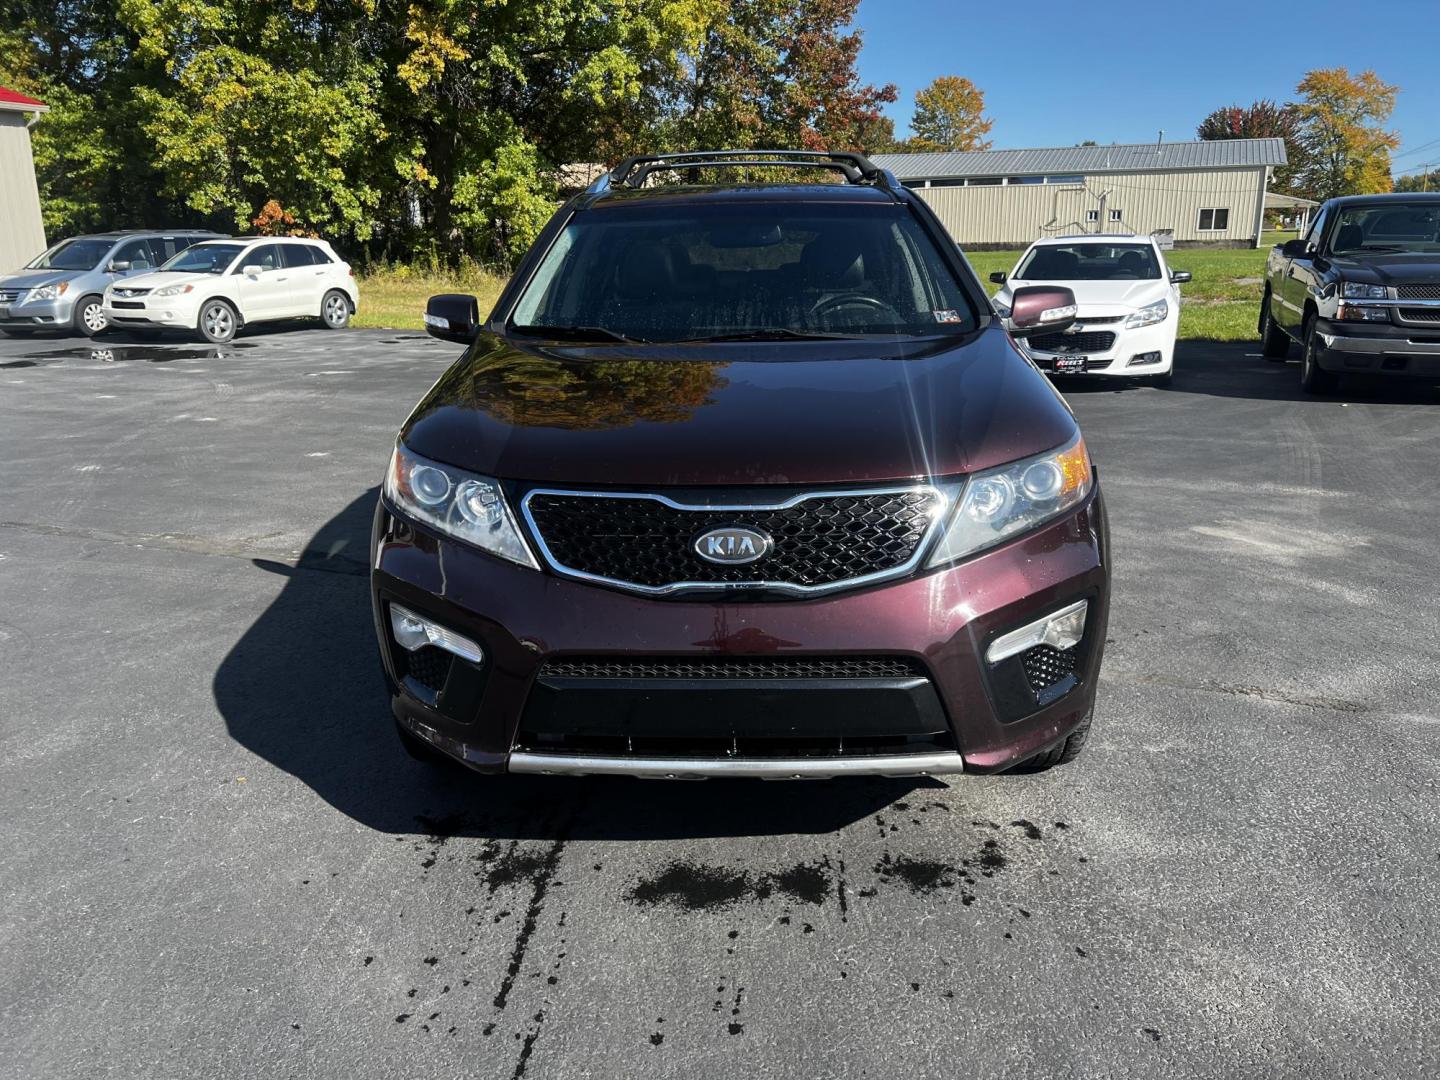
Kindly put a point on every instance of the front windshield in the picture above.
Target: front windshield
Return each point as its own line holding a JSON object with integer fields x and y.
{"x": 84, "y": 253}
{"x": 203, "y": 259}
{"x": 1089, "y": 262}
{"x": 1402, "y": 227}
{"x": 781, "y": 269}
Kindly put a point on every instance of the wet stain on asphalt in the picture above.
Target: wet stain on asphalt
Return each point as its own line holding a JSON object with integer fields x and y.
{"x": 519, "y": 878}
{"x": 121, "y": 354}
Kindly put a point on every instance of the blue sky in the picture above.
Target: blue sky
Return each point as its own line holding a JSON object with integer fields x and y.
{"x": 1124, "y": 70}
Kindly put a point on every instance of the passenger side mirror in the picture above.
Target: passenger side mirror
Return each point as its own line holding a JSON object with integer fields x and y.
{"x": 252, "y": 271}
{"x": 1041, "y": 309}
{"x": 1294, "y": 249}
{"x": 453, "y": 317}
{"x": 117, "y": 268}
{"x": 1179, "y": 277}
{"x": 998, "y": 277}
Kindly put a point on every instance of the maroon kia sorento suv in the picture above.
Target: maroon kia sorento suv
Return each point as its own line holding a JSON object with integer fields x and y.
{"x": 742, "y": 479}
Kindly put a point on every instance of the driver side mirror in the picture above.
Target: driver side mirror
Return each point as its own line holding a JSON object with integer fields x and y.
{"x": 453, "y": 317}
{"x": 1179, "y": 277}
{"x": 1041, "y": 309}
{"x": 252, "y": 271}
{"x": 1294, "y": 249}
{"x": 998, "y": 277}
{"x": 117, "y": 268}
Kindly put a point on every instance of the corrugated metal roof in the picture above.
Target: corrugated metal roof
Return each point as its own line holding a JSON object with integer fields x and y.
{"x": 1128, "y": 157}
{"x": 13, "y": 100}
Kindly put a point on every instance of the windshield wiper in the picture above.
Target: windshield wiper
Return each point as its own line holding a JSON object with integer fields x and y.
{"x": 772, "y": 333}
{"x": 575, "y": 333}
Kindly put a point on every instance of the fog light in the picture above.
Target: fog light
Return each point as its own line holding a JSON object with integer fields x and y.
{"x": 1061, "y": 630}
{"x": 1144, "y": 358}
{"x": 412, "y": 632}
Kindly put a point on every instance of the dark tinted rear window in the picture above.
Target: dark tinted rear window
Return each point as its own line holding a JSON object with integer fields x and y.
{"x": 675, "y": 272}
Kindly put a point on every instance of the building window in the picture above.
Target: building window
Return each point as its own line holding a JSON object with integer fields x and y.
{"x": 984, "y": 181}
{"x": 947, "y": 182}
{"x": 1024, "y": 180}
{"x": 1092, "y": 215}
{"x": 1215, "y": 220}
{"x": 1065, "y": 179}
{"x": 1115, "y": 215}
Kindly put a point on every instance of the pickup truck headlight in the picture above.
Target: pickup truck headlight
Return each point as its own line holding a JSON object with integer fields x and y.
{"x": 1001, "y": 502}
{"x": 1359, "y": 290}
{"x": 49, "y": 292}
{"x": 173, "y": 290}
{"x": 1148, "y": 315}
{"x": 461, "y": 504}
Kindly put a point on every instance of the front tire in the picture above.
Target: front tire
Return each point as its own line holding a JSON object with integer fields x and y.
{"x": 1313, "y": 378}
{"x": 89, "y": 318}
{"x": 335, "y": 310}
{"x": 1274, "y": 342}
{"x": 218, "y": 322}
{"x": 1062, "y": 753}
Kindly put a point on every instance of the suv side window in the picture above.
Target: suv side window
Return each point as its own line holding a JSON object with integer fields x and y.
{"x": 265, "y": 256}
{"x": 299, "y": 255}
{"x": 137, "y": 253}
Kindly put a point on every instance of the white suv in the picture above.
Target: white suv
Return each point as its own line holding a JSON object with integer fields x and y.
{"x": 218, "y": 286}
{"x": 1129, "y": 302}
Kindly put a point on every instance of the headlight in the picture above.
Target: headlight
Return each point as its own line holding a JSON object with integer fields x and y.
{"x": 1358, "y": 290}
{"x": 1148, "y": 315}
{"x": 49, "y": 292}
{"x": 173, "y": 290}
{"x": 461, "y": 504}
{"x": 1013, "y": 498}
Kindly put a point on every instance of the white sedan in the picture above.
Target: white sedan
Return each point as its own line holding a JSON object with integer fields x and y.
{"x": 216, "y": 287}
{"x": 1128, "y": 299}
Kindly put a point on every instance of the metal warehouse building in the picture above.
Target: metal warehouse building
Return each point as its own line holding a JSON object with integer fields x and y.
{"x": 22, "y": 234}
{"x": 1197, "y": 192}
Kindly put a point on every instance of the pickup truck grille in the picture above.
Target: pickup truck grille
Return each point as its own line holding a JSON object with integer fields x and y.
{"x": 1083, "y": 342}
{"x": 821, "y": 541}
{"x": 1420, "y": 314}
{"x": 1417, "y": 292}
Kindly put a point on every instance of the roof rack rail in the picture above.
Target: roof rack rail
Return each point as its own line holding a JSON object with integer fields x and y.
{"x": 856, "y": 168}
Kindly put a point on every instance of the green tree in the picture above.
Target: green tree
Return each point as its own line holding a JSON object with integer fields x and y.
{"x": 1419, "y": 181}
{"x": 1347, "y": 149}
{"x": 949, "y": 115}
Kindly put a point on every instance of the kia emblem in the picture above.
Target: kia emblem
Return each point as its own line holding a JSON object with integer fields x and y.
{"x": 733, "y": 545}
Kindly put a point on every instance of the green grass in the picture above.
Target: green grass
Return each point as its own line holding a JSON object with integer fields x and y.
{"x": 393, "y": 298}
{"x": 1221, "y": 302}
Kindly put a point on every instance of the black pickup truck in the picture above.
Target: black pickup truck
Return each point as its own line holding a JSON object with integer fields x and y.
{"x": 1360, "y": 291}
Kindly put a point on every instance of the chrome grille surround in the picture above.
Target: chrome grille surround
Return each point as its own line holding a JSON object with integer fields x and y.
{"x": 941, "y": 500}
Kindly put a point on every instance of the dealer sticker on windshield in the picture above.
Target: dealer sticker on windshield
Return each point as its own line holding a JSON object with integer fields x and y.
{"x": 947, "y": 315}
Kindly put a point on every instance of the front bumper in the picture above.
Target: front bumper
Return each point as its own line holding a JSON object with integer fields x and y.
{"x": 953, "y": 712}
{"x": 1379, "y": 349}
{"x": 1155, "y": 343}
{"x": 38, "y": 314}
{"x": 179, "y": 312}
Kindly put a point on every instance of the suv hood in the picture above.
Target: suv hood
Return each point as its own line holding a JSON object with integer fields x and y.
{"x": 158, "y": 281}
{"x": 1101, "y": 297}
{"x": 33, "y": 279}
{"x": 734, "y": 414}
{"x": 1382, "y": 269}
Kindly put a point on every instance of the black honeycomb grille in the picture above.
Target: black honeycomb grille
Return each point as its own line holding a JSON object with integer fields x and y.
{"x": 1418, "y": 292}
{"x": 1420, "y": 314}
{"x": 1045, "y": 666}
{"x": 824, "y": 540}
{"x": 1086, "y": 342}
{"x": 733, "y": 667}
{"x": 428, "y": 666}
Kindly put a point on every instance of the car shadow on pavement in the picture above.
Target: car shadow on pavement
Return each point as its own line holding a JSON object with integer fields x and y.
{"x": 1237, "y": 369}
{"x": 302, "y": 689}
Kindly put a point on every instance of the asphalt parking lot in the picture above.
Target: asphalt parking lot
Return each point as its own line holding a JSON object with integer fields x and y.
{"x": 218, "y": 863}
